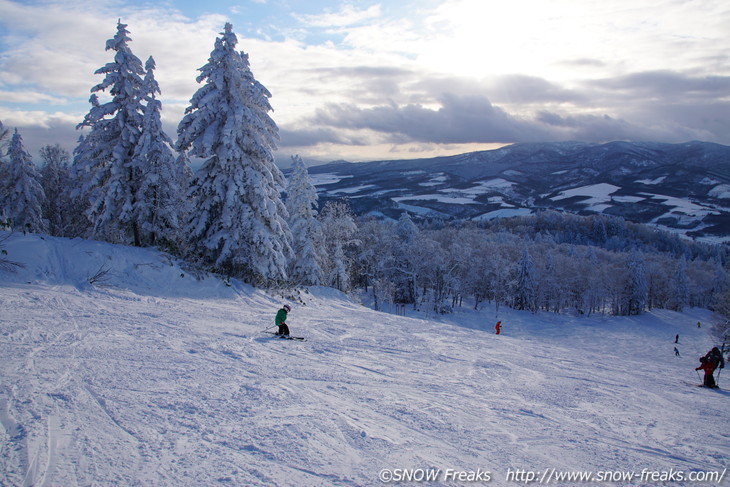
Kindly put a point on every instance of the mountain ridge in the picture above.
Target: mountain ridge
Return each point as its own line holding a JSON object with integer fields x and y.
{"x": 683, "y": 187}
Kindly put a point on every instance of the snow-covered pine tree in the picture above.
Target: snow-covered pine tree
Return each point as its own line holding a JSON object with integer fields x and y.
{"x": 104, "y": 156}
{"x": 239, "y": 221}
{"x": 56, "y": 181}
{"x": 4, "y": 140}
{"x": 22, "y": 194}
{"x": 185, "y": 174}
{"x": 637, "y": 287}
{"x": 307, "y": 241}
{"x": 680, "y": 286}
{"x": 406, "y": 256}
{"x": 160, "y": 195}
{"x": 525, "y": 290}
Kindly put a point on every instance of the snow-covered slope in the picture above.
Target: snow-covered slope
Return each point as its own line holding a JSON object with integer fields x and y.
{"x": 151, "y": 377}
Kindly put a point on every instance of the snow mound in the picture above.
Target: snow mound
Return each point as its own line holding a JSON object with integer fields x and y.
{"x": 80, "y": 263}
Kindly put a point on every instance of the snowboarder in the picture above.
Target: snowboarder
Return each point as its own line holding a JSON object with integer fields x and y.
{"x": 280, "y": 320}
{"x": 676, "y": 352}
{"x": 498, "y": 327}
{"x": 676, "y": 339}
{"x": 710, "y": 362}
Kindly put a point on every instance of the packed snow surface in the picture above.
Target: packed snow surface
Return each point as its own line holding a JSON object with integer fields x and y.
{"x": 151, "y": 376}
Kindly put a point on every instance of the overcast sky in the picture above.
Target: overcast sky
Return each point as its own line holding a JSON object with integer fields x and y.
{"x": 392, "y": 79}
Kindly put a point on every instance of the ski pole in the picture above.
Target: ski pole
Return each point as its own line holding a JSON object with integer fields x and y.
{"x": 269, "y": 328}
{"x": 698, "y": 376}
{"x": 717, "y": 381}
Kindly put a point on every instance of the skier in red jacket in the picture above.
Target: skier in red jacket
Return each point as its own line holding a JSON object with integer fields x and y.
{"x": 709, "y": 368}
{"x": 498, "y": 327}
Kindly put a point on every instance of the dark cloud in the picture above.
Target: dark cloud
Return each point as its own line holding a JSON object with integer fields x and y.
{"x": 460, "y": 119}
{"x": 312, "y": 135}
{"x": 55, "y": 132}
{"x": 364, "y": 83}
{"x": 519, "y": 89}
{"x": 474, "y": 119}
{"x": 665, "y": 84}
{"x": 598, "y": 128}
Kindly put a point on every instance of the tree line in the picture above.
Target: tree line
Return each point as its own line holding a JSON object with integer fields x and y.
{"x": 498, "y": 262}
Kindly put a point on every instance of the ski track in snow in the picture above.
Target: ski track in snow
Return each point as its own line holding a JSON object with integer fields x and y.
{"x": 136, "y": 383}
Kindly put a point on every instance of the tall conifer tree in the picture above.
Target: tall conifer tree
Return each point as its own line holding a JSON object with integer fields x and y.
{"x": 22, "y": 194}
{"x": 159, "y": 199}
{"x": 301, "y": 204}
{"x": 104, "y": 156}
{"x": 239, "y": 221}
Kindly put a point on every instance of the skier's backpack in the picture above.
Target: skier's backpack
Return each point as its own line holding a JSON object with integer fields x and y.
{"x": 713, "y": 357}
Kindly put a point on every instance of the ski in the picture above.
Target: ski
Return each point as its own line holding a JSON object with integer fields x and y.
{"x": 287, "y": 337}
{"x": 703, "y": 386}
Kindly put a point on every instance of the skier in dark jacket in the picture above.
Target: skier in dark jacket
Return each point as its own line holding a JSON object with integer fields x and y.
{"x": 712, "y": 360}
{"x": 280, "y": 320}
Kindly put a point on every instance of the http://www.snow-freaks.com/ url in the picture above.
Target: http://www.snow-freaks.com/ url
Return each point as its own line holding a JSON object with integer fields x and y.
{"x": 548, "y": 476}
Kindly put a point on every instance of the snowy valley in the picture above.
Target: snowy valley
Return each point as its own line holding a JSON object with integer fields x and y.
{"x": 153, "y": 376}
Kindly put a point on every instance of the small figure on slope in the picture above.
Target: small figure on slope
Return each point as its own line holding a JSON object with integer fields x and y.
{"x": 280, "y": 320}
{"x": 498, "y": 327}
{"x": 710, "y": 362}
{"x": 676, "y": 352}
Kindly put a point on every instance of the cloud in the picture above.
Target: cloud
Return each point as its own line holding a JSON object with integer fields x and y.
{"x": 347, "y": 16}
{"x": 666, "y": 84}
{"x": 459, "y": 119}
{"x": 41, "y": 128}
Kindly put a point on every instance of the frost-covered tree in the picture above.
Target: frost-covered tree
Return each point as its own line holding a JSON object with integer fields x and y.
{"x": 307, "y": 242}
{"x": 525, "y": 288}
{"x": 22, "y": 194}
{"x": 374, "y": 268}
{"x": 160, "y": 194}
{"x": 59, "y": 211}
{"x": 338, "y": 228}
{"x": 239, "y": 221}
{"x": 680, "y": 282}
{"x": 407, "y": 256}
{"x": 637, "y": 286}
{"x": 104, "y": 157}
{"x": 4, "y": 140}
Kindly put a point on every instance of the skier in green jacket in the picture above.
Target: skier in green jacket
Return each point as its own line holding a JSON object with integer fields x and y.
{"x": 280, "y": 320}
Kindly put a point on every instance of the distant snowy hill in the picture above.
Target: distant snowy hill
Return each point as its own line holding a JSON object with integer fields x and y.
{"x": 681, "y": 187}
{"x": 119, "y": 367}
